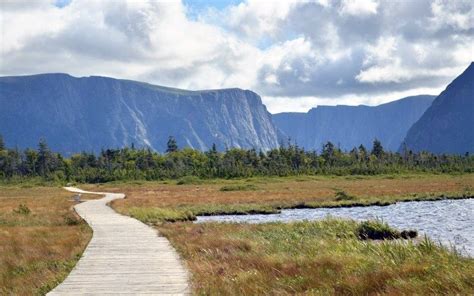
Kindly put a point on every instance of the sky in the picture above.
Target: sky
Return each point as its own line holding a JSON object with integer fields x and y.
{"x": 294, "y": 54}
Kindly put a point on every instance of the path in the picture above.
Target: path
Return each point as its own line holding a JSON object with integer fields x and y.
{"x": 124, "y": 256}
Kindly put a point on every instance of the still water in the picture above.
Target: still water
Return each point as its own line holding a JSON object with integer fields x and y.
{"x": 449, "y": 221}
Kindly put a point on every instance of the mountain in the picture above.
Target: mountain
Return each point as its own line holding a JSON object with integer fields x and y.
{"x": 448, "y": 125}
{"x": 350, "y": 126}
{"x": 91, "y": 113}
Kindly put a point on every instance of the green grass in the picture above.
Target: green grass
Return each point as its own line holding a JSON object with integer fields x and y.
{"x": 157, "y": 215}
{"x": 377, "y": 229}
{"x": 324, "y": 257}
{"x": 160, "y": 215}
{"x": 189, "y": 180}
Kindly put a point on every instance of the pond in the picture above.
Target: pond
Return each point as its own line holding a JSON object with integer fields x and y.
{"x": 449, "y": 221}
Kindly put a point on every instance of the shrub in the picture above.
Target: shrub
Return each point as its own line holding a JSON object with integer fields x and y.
{"x": 246, "y": 187}
{"x": 71, "y": 220}
{"x": 22, "y": 210}
{"x": 408, "y": 234}
{"x": 189, "y": 180}
{"x": 342, "y": 195}
{"x": 376, "y": 229}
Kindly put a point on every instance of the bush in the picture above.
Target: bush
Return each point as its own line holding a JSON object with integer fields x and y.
{"x": 71, "y": 220}
{"x": 22, "y": 210}
{"x": 408, "y": 234}
{"x": 342, "y": 195}
{"x": 376, "y": 229}
{"x": 246, "y": 187}
{"x": 189, "y": 180}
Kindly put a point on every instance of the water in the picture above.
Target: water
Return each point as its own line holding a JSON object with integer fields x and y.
{"x": 449, "y": 221}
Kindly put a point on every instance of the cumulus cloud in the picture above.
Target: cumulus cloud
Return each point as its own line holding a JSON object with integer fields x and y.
{"x": 295, "y": 53}
{"x": 360, "y": 8}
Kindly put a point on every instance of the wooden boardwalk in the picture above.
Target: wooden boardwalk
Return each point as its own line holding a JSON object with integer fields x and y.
{"x": 124, "y": 257}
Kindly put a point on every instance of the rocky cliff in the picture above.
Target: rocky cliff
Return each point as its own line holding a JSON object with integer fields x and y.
{"x": 91, "y": 113}
{"x": 350, "y": 126}
{"x": 448, "y": 125}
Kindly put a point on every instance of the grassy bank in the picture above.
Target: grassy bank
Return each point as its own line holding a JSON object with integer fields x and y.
{"x": 41, "y": 238}
{"x": 317, "y": 258}
{"x": 154, "y": 202}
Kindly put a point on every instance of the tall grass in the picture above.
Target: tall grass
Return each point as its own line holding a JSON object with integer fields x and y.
{"x": 41, "y": 238}
{"x": 269, "y": 195}
{"x": 316, "y": 258}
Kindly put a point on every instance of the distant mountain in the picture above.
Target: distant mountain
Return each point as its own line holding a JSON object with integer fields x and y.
{"x": 90, "y": 113}
{"x": 350, "y": 126}
{"x": 448, "y": 125}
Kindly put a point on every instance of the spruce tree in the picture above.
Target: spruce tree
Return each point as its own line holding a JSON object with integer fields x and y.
{"x": 172, "y": 145}
{"x": 44, "y": 158}
{"x": 377, "y": 149}
{"x": 2, "y": 143}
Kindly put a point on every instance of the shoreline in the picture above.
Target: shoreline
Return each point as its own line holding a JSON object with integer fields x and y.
{"x": 329, "y": 205}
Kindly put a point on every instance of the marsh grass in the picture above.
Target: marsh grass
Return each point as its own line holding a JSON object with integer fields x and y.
{"x": 41, "y": 238}
{"x": 342, "y": 195}
{"x": 159, "y": 215}
{"x": 316, "y": 258}
{"x": 189, "y": 180}
{"x": 379, "y": 230}
{"x": 156, "y": 215}
{"x": 218, "y": 196}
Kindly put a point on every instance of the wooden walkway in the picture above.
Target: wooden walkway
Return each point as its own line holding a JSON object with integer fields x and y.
{"x": 124, "y": 257}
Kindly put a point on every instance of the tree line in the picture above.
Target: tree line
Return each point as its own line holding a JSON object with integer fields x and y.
{"x": 289, "y": 159}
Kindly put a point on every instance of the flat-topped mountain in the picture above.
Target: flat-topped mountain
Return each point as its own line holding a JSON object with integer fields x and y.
{"x": 91, "y": 113}
{"x": 448, "y": 125}
{"x": 350, "y": 126}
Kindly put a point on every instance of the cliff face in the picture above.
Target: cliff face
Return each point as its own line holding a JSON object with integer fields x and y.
{"x": 448, "y": 125}
{"x": 90, "y": 113}
{"x": 350, "y": 126}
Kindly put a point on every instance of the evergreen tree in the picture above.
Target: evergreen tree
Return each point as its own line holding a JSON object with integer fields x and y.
{"x": 362, "y": 152}
{"x": 2, "y": 143}
{"x": 328, "y": 152}
{"x": 172, "y": 145}
{"x": 144, "y": 164}
{"x": 377, "y": 149}
{"x": 44, "y": 158}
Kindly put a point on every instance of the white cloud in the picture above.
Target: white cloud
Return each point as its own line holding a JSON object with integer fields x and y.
{"x": 255, "y": 18}
{"x": 458, "y": 14}
{"x": 359, "y": 8}
{"x": 294, "y": 53}
{"x": 304, "y": 104}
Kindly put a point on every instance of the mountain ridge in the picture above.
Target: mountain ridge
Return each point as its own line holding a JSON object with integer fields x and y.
{"x": 350, "y": 126}
{"x": 102, "y": 112}
{"x": 446, "y": 127}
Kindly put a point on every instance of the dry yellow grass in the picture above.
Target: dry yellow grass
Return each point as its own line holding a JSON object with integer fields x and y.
{"x": 307, "y": 258}
{"x": 285, "y": 192}
{"x": 39, "y": 248}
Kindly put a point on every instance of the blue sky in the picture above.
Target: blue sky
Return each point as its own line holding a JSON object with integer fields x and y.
{"x": 62, "y": 3}
{"x": 295, "y": 54}
{"x": 203, "y": 4}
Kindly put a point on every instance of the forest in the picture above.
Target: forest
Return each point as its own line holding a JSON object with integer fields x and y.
{"x": 289, "y": 159}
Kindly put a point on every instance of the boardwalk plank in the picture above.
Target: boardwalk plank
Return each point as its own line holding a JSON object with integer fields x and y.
{"x": 124, "y": 257}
